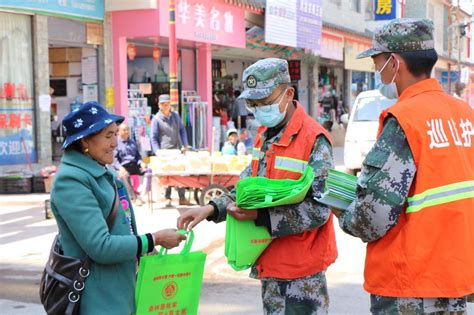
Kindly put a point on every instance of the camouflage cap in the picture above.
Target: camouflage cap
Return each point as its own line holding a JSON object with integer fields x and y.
{"x": 263, "y": 77}
{"x": 401, "y": 35}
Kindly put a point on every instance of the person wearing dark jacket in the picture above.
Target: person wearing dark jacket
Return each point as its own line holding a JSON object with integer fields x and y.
{"x": 168, "y": 132}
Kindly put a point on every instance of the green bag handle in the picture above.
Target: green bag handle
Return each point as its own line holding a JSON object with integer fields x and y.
{"x": 187, "y": 246}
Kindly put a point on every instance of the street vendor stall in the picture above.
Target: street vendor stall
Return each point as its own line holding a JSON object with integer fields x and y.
{"x": 209, "y": 176}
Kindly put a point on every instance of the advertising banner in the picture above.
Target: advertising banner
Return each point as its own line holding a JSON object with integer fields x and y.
{"x": 294, "y": 23}
{"x": 385, "y": 10}
{"x": 17, "y": 122}
{"x": 87, "y": 9}
{"x": 206, "y": 21}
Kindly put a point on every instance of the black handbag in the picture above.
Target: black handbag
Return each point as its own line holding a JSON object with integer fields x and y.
{"x": 63, "y": 277}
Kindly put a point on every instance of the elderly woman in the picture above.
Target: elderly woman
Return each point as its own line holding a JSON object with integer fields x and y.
{"x": 83, "y": 195}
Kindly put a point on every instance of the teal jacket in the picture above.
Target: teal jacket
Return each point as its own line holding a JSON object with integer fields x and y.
{"x": 81, "y": 200}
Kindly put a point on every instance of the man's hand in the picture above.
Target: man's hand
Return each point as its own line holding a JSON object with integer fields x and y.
{"x": 142, "y": 165}
{"x": 168, "y": 238}
{"x": 123, "y": 172}
{"x": 193, "y": 216}
{"x": 241, "y": 214}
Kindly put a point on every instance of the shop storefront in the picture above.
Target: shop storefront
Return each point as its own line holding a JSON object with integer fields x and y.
{"x": 73, "y": 70}
{"x": 49, "y": 55}
{"x": 359, "y": 72}
{"x": 144, "y": 34}
{"x": 331, "y": 68}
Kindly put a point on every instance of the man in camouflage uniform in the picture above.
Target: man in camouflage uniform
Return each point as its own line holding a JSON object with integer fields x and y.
{"x": 389, "y": 169}
{"x": 264, "y": 83}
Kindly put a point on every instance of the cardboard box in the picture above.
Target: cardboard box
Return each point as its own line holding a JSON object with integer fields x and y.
{"x": 75, "y": 68}
{"x": 65, "y": 55}
{"x": 65, "y": 69}
{"x": 60, "y": 69}
{"x": 74, "y": 54}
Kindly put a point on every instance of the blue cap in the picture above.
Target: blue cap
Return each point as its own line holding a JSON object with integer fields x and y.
{"x": 86, "y": 120}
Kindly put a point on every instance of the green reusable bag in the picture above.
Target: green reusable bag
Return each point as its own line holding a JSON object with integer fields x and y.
{"x": 261, "y": 192}
{"x": 170, "y": 283}
{"x": 245, "y": 244}
{"x": 245, "y": 241}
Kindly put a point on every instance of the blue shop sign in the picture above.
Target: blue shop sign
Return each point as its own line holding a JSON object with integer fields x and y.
{"x": 385, "y": 10}
{"x": 79, "y": 9}
{"x": 445, "y": 74}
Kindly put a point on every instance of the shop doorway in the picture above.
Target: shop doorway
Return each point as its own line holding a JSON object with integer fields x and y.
{"x": 73, "y": 79}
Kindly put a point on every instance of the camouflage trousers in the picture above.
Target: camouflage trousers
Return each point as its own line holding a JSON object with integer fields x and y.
{"x": 381, "y": 305}
{"x": 306, "y": 296}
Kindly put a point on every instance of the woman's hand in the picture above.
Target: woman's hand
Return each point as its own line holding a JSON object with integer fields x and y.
{"x": 241, "y": 214}
{"x": 189, "y": 219}
{"x": 168, "y": 238}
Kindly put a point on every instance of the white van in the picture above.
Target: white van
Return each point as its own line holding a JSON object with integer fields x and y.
{"x": 362, "y": 128}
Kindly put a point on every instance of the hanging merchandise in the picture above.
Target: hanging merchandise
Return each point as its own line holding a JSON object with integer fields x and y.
{"x": 139, "y": 113}
{"x": 194, "y": 116}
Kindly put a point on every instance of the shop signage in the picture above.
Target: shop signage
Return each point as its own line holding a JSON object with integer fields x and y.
{"x": 294, "y": 67}
{"x": 17, "y": 119}
{"x": 445, "y": 76}
{"x": 294, "y": 23}
{"x": 206, "y": 21}
{"x": 16, "y": 128}
{"x": 94, "y": 34}
{"x": 332, "y": 47}
{"x": 352, "y": 49}
{"x": 82, "y": 9}
{"x": 385, "y": 9}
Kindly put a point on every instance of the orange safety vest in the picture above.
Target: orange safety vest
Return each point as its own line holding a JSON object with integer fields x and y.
{"x": 299, "y": 255}
{"x": 430, "y": 252}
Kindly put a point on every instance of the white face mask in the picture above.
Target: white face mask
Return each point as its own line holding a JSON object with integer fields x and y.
{"x": 270, "y": 115}
{"x": 388, "y": 90}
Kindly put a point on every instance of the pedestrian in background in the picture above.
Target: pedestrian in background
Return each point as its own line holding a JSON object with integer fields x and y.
{"x": 245, "y": 143}
{"x": 128, "y": 162}
{"x": 168, "y": 132}
{"x": 239, "y": 111}
{"x": 414, "y": 205}
{"x": 230, "y": 146}
{"x": 292, "y": 268}
{"x": 82, "y": 197}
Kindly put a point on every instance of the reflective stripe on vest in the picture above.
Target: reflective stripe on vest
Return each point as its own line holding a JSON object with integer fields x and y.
{"x": 290, "y": 164}
{"x": 256, "y": 154}
{"x": 440, "y": 195}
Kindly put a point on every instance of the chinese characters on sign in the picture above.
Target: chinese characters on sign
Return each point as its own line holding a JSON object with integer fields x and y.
{"x": 206, "y": 21}
{"x": 385, "y": 10}
{"x": 461, "y": 132}
{"x": 17, "y": 120}
{"x": 294, "y": 23}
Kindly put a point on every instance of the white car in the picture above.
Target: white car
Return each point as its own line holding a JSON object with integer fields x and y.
{"x": 362, "y": 128}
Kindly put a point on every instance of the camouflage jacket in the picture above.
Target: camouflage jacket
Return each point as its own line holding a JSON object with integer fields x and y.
{"x": 297, "y": 218}
{"x": 383, "y": 186}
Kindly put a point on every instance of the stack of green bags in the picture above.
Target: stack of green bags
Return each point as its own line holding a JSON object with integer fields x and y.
{"x": 245, "y": 241}
{"x": 340, "y": 190}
